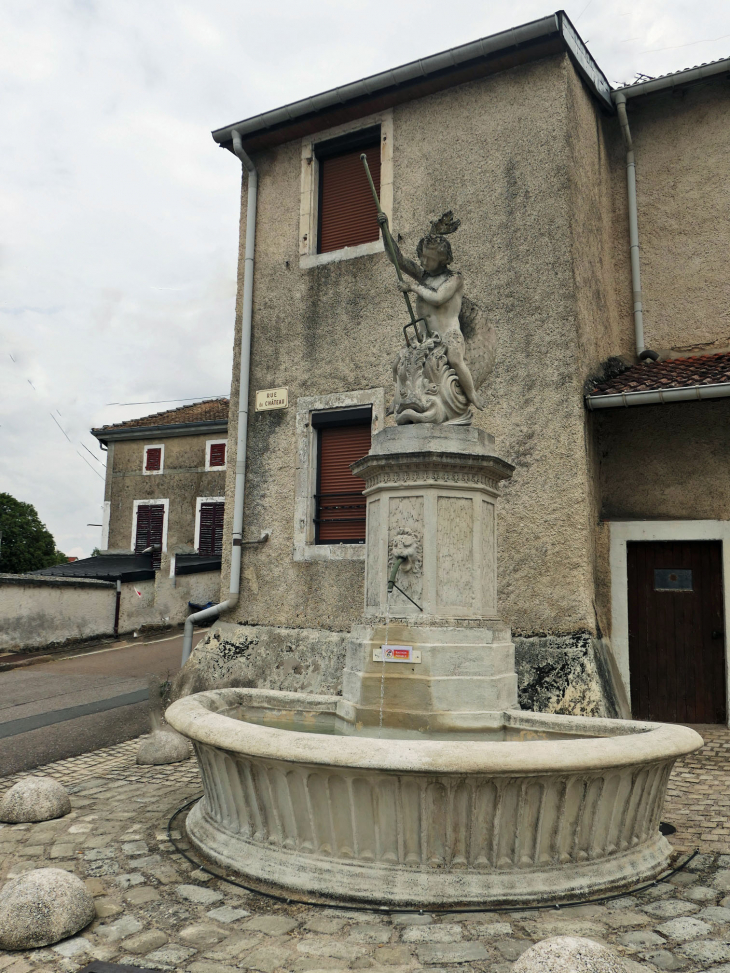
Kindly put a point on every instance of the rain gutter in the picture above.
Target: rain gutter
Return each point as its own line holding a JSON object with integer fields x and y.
{"x": 243, "y": 394}
{"x": 690, "y": 393}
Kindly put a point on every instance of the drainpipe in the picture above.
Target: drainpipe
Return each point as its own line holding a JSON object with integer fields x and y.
{"x": 620, "y": 101}
{"x": 243, "y": 389}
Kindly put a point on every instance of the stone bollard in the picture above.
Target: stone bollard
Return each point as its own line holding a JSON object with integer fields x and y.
{"x": 569, "y": 954}
{"x": 34, "y": 799}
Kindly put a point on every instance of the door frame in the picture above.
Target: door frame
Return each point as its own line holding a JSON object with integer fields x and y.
{"x": 624, "y": 531}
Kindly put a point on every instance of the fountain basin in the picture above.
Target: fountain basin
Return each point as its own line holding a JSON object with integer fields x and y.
{"x": 536, "y": 808}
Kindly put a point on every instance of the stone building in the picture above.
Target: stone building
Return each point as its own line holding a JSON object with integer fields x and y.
{"x": 614, "y": 530}
{"x": 165, "y": 481}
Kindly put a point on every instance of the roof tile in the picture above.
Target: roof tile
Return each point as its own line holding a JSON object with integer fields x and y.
{"x": 675, "y": 373}
{"x": 209, "y": 410}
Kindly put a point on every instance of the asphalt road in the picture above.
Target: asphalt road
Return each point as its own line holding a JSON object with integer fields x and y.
{"x": 68, "y": 706}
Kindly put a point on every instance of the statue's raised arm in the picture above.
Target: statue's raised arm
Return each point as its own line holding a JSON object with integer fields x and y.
{"x": 407, "y": 265}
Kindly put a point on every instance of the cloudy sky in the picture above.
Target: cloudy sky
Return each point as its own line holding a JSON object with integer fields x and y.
{"x": 118, "y": 213}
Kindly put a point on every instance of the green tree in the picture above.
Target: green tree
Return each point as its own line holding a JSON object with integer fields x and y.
{"x": 27, "y": 544}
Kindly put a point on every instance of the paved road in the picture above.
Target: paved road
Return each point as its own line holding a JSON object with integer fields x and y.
{"x": 68, "y": 706}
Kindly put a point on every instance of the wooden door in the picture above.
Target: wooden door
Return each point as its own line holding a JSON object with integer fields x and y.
{"x": 676, "y": 631}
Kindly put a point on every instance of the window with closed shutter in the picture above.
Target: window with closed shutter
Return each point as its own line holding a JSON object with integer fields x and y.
{"x": 217, "y": 455}
{"x": 150, "y": 523}
{"x": 340, "y": 505}
{"x": 347, "y": 211}
{"x": 153, "y": 459}
{"x": 210, "y": 541}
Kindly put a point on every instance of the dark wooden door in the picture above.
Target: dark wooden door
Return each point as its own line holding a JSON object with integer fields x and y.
{"x": 676, "y": 637}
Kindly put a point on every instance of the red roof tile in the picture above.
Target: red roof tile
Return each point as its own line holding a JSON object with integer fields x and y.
{"x": 676, "y": 373}
{"x": 210, "y": 410}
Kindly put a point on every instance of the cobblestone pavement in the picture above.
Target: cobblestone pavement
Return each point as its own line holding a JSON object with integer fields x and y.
{"x": 158, "y": 911}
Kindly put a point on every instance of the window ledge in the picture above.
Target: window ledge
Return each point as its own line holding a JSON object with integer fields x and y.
{"x": 347, "y": 253}
{"x": 329, "y": 552}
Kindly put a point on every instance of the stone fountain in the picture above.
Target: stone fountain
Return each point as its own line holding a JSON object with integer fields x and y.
{"x": 424, "y": 783}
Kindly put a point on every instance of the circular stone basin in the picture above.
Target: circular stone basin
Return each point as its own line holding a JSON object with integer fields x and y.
{"x": 538, "y": 808}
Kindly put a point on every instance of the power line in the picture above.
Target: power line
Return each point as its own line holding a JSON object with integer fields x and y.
{"x": 189, "y": 398}
{"x": 92, "y": 455}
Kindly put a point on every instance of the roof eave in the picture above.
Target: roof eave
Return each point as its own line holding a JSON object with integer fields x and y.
{"x": 161, "y": 431}
{"x": 487, "y": 55}
{"x": 676, "y": 80}
{"x": 690, "y": 393}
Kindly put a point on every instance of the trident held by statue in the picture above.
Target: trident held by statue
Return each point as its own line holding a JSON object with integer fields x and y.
{"x": 383, "y": 221}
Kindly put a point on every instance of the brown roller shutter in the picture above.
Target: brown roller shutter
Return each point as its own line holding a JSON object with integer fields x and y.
{"x": 150, "y": 522}
{"x": 211, "y": 528}
{"x": 340, "y": 503}
{"x": 347, "y": 212}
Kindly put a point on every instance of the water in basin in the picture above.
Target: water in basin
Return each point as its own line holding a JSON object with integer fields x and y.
{"x": 330, "y": 724}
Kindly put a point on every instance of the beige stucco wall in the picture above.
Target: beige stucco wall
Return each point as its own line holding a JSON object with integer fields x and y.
{"x": 164, "y": 601}
{"x": 666, "y": 462}
{"x": 682, "y": 145}
{"x": 522, "y": 158}
{"x": 44, "y": 611}
{"x": 183, "y": 480}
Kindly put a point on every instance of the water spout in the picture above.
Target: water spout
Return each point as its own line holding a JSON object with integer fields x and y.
{"x": 397, "y": 561}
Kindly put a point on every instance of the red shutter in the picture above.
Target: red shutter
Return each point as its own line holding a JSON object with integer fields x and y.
{"x": 150, "y": 523}
{"x": 347, "y": 212}
{"x": 211, "y": 528}
{"x": 217, "y": 454}
{"x": 340, "y": 503}
{"x": 153, "y": 458}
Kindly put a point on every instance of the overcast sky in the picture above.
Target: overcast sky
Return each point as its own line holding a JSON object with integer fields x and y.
{"x": 119, "y": 215}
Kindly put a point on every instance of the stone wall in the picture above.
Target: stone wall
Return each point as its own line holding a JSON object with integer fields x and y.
{"x": 37, "y": 612}
{"x": 571, "y": 674}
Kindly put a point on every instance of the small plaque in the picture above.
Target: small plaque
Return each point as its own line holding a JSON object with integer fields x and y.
{"x": 268, "y": 399}
{"x": 397, "y": 653}
{"x": 672, "y": 579}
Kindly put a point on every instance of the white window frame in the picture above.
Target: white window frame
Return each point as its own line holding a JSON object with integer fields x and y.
{"x": 622, "y": 532}
{"x": 166, "y": 517}
{"x": 306, "y": 475}
{"x": 198, "y": 504}
{"x": 147, "y": 472}
{"x": 208, "y": 444}
{"x": 309, "y": 202}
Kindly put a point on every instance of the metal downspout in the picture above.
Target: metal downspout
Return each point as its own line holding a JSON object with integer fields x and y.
{"x": 620, "y": 102}
{"x": 243, "y": 391}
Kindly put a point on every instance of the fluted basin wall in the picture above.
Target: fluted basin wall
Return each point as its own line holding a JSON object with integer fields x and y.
{"x": 430, "y": 821}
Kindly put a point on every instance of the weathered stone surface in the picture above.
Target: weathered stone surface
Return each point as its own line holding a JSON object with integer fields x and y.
{"x": 42, "y": 907}
{"x": 201, "y": 934}
{"x": 721, "y": 880}
{"x": 715, "y": 913}
{"x": 227, "y": 913}
{"x": 569, "y": 954}
{"x": 272, "y": 925}
{"x": 451, "y": 953}
{"x": 671, "y": 908}
{"x": 701, "y": 893}
{"x": 444, "y": 933}
{"x": 641, "y": 939}
{"x": 145, "y": 942}
{"x": 34, "y": 799}
{"x": 664, "y": 960}
{"x": 684, "y": 928}
{"x": 163, "y": 747}
{"x": 198, "y": 894}
{"x": 707, "y": 951}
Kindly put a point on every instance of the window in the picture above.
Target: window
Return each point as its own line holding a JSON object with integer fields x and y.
{"x": 337, "y": 214}
{"x": 209, "y": 525}
{"x": 149, "y": 529}
{"x": 154, "y": 459}
{"x": 347, "y": 211}
{"x": 343, "y": 437}
{"x": 215, "y": 454}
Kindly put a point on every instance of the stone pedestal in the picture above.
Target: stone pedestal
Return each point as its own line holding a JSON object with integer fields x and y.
{"x": 431, "y": 493}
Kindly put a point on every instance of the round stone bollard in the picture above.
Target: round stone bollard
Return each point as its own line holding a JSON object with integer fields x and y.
{"x": 569, "y": 954}
{"x": 163, "y": 747}
{"x": 43, "y": 907}
{"x": 34, "y": 799}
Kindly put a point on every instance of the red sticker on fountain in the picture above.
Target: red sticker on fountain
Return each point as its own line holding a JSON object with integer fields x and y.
{"x": 396, "y": 653}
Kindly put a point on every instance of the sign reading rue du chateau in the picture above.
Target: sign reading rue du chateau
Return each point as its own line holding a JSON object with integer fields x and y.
{"x": 267, "y": 399}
